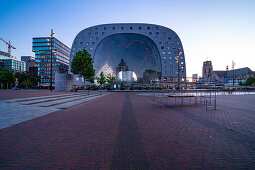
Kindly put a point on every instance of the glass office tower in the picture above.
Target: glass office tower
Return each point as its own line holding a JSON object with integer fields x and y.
{"x": 43, "y": 48}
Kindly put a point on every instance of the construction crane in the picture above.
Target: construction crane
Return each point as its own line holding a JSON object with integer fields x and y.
{"x": 9, "y": 46}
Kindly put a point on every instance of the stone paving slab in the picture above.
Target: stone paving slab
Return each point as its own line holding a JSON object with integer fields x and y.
{"x": 16, "y": 94}
{"x": 15, "y": 111}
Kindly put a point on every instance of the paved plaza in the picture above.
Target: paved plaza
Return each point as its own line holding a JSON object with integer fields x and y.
{"x": 128, "y": 131}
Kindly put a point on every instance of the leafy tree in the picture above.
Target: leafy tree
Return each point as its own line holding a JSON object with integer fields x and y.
{"x": 6, "y": 76}
{"x": 82, "y": 64}
{"x": 35, "y": 81}
{"x": 101, "y": 79}
{"x": 27, "y": 83}
{"x": 110, "y": 78}
{"x": 250, "y": 81}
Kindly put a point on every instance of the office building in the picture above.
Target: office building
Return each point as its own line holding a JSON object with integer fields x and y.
{"x": 43, "y": 47}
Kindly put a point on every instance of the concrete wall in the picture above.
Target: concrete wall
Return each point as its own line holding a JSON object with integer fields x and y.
{"x": 63, "y": 82}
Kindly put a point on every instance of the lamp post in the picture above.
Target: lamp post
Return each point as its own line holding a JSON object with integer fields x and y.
{"x": 178, "y": 63}
{"x": 233, "y": 68}
{"x": 51, "y": 46}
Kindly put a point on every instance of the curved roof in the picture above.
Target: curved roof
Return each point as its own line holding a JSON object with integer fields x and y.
{"x": 167, "y": 41}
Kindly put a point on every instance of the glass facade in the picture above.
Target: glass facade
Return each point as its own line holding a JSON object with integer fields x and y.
{"x": 12, "y": 64}
{"x": 60, "y": 57}
{"x": 128, "y": 56}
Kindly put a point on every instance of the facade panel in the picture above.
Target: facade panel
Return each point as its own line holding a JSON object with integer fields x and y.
{"x": 166, "y": 40}
{"x": 42, "y": 47}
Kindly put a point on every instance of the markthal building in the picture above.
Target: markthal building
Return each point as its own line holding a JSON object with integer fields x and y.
{"x": 132, "y": 52}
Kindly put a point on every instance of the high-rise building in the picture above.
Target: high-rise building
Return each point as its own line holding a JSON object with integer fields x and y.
{"x": 10, "y": 63}
{"x": 43, "y": 48}
{"x": 29, "y": 60}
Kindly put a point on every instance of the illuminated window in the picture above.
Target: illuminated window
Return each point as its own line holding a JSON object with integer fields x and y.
{"x": 169, "y": 52}
{"x": 163, "y": 52}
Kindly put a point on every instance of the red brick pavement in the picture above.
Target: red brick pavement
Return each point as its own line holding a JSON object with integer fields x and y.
{"x": 84, "y": 136}
{"x": 190, "y": 137}
{"x": 81, "y": 137}
{"x": 16, "y": 94}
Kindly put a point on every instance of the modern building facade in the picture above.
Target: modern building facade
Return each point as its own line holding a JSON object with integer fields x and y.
{"x": 139, "y": 52}
{"x": 29, "y": 60}
{"x": 43, "y": 47}
{"x": 10, "y": 63}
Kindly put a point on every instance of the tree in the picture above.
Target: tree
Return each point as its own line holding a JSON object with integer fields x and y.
{"x": 6, "y": 77}
{"x": 27, "y": 83}
{"x": 110, "y": 78}
{"x": 250, "y": 81}
{"x": 101, "y": 79}
{"x": 82, "y": 64}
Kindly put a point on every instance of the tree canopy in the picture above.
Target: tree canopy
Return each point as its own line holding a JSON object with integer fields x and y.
{"x": 82, "y": 64}
{"x": 250, "y": 81}
{"x": 101, "y": 79}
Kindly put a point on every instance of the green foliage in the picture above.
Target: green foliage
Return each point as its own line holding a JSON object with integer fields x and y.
{"x": 26, "y": 83}
{"x": 250, "y": 81}
{"x": 82, "y": 64}
{"x": 110, "y": 78}
{"x": 101, "y": 79}
{"x": 6, "y": 76}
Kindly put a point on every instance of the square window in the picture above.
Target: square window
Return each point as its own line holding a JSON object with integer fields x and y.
{"x": 156, "y": 28}
{"x": 104, "y": 28}
{"x": 162, "y": 47}
{"x": 150, "y": 33}
{"x": 81, "y": 43}
{"x": 113, "y": 28}
{"x": 148, "y": 28}
{"x": 157, "y": 33}
{"x": 87, "y": 43}
{"x": 122, "y": 28}
{"x": 93, "y": 43}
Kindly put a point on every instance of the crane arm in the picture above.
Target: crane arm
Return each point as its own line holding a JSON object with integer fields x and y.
{"x": 9, "y": 44}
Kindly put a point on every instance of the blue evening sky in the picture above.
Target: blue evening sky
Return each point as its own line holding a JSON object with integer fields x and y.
{"x": 217, "y": 30}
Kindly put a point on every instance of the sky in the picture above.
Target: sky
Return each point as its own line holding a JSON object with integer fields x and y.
{"x": 221, "y": 31}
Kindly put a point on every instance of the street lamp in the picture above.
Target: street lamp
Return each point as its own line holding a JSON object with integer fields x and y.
{"x": 178, "y": 62}
{"x": 51, "y": 46}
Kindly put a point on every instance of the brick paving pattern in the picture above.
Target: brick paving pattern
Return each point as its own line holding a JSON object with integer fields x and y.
{"x": 117, "y": 130}
{"x": 128, "y": 152}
